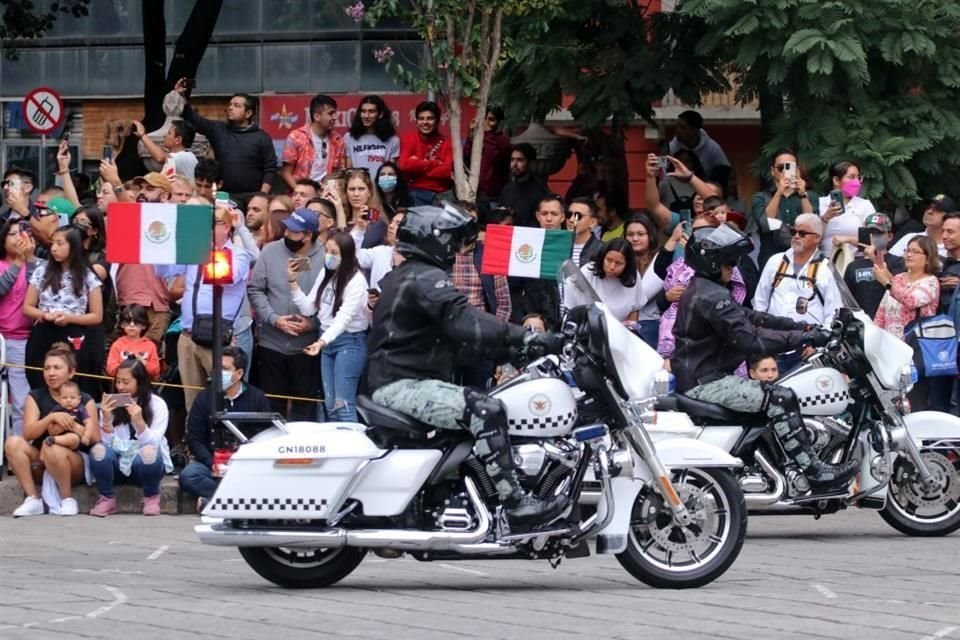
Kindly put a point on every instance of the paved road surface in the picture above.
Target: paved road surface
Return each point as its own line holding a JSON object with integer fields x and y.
{"x": 130, "y": 577}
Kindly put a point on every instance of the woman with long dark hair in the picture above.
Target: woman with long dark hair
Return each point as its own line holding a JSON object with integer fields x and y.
{"x": 16, "y": 267}
{"x": 843, "y": 210}
{"x": 372, "y": 139}
{"x": 65, "y": 301}
{"x": 339, "y": 299}
{"x": 642, "y": 235}
{"x": 93, "y": 226}
{"x": 613, "y": 275}
{"x": 132, "y": 440}
{"x": 392, "y": 189}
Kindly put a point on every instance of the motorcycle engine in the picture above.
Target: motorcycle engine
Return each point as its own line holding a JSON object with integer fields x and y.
{"x": 543, "y": 464}
{"x": 827, "y": 435}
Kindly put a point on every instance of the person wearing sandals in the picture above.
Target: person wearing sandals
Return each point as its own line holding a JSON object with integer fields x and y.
{"x": 132, "y": 441}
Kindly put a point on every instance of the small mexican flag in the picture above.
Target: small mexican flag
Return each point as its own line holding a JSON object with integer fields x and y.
{"x": 525, "y": 252}
{"x": 158, "y": 233}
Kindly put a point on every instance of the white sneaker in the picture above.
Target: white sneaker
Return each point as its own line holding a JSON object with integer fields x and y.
{"x": 31, "y": 507}
{"x": 68, "y": 507}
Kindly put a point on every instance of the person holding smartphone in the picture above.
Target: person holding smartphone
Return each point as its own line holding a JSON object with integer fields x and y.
{"x": 859, "y": 275}
{"x": 364, "y": 210}
{"x": 133, "y": 426}
{"x": 843, "y": 210}
{"x": 16, "y": 267}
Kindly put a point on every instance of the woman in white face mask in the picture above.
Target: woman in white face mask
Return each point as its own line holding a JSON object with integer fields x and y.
{"x": 339, "y": 299}
{"x": 392, "y": 189}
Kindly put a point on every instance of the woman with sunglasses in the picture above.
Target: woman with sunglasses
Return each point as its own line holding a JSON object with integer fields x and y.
{"x": 365, "y": 221}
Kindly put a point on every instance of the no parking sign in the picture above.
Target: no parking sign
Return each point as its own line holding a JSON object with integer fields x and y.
{"x": 43, "y": 110}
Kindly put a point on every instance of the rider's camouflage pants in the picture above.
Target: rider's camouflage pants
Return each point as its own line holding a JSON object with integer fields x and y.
{"x": 442, "y": 405}
{"x": 748, "y": 396}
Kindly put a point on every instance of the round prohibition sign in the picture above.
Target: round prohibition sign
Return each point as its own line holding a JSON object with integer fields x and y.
{"x": 43, "y": 110}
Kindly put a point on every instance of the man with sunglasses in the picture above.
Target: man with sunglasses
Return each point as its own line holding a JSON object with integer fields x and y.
{"x": 17, "y": 187}
{"x": 798, "y": 283}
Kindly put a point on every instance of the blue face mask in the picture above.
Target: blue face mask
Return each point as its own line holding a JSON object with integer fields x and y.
{"x": 387, "y": 183}
{"x": 226, "y": 379}
{"x": 331, "y": 262}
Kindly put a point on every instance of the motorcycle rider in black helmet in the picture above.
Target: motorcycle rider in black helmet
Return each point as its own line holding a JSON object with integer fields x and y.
{"x": 419, "y": 323}
{"x": 714, "y": 335}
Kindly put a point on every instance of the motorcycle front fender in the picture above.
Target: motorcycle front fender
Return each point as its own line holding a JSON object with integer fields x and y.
{"x": 674, "y": 453}
{"x": 932, "y": 425}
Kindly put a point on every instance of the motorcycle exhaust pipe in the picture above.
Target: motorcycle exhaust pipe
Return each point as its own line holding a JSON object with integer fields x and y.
{"x": 760, "y": 500}
{"x": 220, "y": 534}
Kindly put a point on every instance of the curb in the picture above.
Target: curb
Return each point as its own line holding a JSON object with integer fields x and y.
{"x": 173, "y": 501}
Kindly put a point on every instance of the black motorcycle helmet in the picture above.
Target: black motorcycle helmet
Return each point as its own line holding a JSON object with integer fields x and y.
{"x": 709, "y": 248}
{"x": 436, "y": 234}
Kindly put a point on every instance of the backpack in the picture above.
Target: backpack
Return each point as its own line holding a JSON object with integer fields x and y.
{"x": 934, "y": 342}
{"x": 813, "y": 267}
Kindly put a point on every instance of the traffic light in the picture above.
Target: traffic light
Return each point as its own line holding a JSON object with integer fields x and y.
{"x": 219, "y": 270}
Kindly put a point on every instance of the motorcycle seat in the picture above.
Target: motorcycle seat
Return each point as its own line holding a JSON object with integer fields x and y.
{"x": 376, "y": 415}
{"x": 705, "y": 410}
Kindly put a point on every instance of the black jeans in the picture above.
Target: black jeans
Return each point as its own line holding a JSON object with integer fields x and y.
{"x": 88, "y": 344}
{"x": 290, "y": 375}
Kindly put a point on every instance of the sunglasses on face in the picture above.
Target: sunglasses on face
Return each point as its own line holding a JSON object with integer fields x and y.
{"x": 42, "y": 213}
{"x": 803, "y": 234}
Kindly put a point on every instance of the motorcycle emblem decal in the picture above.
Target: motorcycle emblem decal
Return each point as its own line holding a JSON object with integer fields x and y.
{"x": 825, "y": 383}
{"x": 539, "y": 405}
{"x": 526, "y": 254}
{"x": 944, "y": 356}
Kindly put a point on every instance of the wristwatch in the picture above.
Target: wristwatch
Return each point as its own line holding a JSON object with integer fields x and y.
{"x": 802, "y": 195}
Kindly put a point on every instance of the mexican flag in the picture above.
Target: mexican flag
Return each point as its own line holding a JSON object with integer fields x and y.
{"x": 158, "y": 233}
{"x": 525, "y": 252}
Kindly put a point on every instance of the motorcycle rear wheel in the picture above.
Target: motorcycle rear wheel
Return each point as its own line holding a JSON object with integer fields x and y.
{"x": 303, "y": 568}
{"x": 668, "y": 557}
{"x": 916, "y": 511}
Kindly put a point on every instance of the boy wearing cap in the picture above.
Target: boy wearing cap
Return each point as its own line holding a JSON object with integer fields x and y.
{"x": 45, "y": 218}
{"x": 284, "y": 368}
{"x": 859, "y": 274}
{"x": 937, "y": 206}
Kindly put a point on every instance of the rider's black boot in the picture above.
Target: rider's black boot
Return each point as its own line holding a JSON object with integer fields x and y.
{"x": 492, "y": 446}
{"x": 793, "y": 436}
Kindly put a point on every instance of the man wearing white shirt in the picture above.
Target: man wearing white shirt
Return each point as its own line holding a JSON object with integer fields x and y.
{"x": 798, "y": 284}
{"x": 937, "y": 207}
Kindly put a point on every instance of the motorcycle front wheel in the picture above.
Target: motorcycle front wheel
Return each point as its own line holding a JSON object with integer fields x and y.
{"x": 917, "y": 510}
{"x": 664, "y": 555}
{"x": 303, "y": 568}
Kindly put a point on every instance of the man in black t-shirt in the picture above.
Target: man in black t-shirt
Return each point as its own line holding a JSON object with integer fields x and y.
{"x": 859, "y": 274}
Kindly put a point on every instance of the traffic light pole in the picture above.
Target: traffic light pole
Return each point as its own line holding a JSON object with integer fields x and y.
{"x": 216, "y": 383}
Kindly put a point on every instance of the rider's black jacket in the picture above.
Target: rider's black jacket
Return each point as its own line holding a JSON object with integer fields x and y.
{"x": 714, "y": 334}
{"x": 421, "y": 321}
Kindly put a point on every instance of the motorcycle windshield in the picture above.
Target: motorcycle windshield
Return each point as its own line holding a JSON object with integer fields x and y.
{"x": 571, "y": 277}
{"x": 849, "y": 302}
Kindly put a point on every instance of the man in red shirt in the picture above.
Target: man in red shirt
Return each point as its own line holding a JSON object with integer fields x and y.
{"x": 426, "y": 156}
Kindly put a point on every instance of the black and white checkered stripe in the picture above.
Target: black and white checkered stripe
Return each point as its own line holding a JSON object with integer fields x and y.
{"x": 269, "y": 504}
{"x": 546, "y": 422}
{"x": 825, "y": 398}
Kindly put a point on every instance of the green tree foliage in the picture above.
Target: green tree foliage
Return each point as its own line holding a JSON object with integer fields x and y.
{"x": 874, "y": 82}
{"x": 616, "y": 58}
{"x": 466, "y": 48}
{"x": 24, "y": 20}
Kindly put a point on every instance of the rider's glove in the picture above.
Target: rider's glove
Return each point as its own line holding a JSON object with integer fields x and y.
{"x": 543, "y": 343}
{"x": 817, "y": 337}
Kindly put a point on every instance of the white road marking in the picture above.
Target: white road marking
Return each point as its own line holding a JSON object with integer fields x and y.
{"x": 943, "y": 633}
{"x": 119, "y": 597}
{"x": 826, "y": 593}
{"x": 452, "y": 567}
{"x": 67, "y": 619}
{"x": 159, "y": 552}
{"x": 122, "y": 572}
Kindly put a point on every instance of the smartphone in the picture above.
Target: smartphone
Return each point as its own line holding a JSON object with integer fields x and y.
{"x": 107, "y": 152}
{"x": 25, "y": 228}
{"x": 864, "y": 237}
{"x": 790, "y": 170}
{"x": 686, "y": 219}
{"x": 373, "y": 291}
{"x": 65, "y": 136}
{"x": 119, "y": 399}
{"x": 300, "y": 263}
{"x": 663, "y": 164}
{"x": 879, "y": 242}
{"x": 374, "y": 214}
{"x": 837, "y": 196}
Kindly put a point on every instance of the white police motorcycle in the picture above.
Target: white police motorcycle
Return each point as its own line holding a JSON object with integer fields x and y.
{"x": 852, "y": 395}
{"x": 305, "y": 502}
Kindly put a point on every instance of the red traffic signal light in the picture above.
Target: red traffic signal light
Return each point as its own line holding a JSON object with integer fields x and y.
{"x": 219, "y": 270}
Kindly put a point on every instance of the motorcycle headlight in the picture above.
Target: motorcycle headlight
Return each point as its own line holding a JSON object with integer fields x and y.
{"x": 908, "y": 376}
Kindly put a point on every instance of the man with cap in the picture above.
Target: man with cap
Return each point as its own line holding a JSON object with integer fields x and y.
{"x": 937, "y": 206}
{"x": 859, "y": 274}
{"x": 46, "y": 218}
{"x": 154, "y": 187}
{"x": 284, "y": 368}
